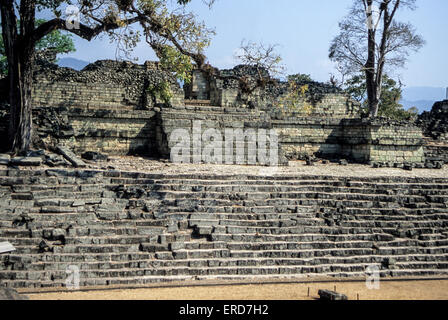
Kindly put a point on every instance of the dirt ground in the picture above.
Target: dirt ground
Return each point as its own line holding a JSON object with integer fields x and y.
{"x": 141, "y": 164}
{"x": 389, "y": 290}
{"x": 146, "y": 165}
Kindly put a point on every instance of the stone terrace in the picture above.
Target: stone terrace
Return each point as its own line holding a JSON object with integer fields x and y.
{"x": 186, "y": 222}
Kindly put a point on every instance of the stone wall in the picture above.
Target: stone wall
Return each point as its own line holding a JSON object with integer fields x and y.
{"x": 363, "y": 141}
{"x": 301, "y": 137}
{"x": 106, "y": 107}
{"x": 189, "y": 125}
{"x": 112, "y": 107}
{"x": 199, "y": 87}
{"x": 111, "y": 131}
{"x": 436, "y": 153}
{"x": 318, "y": 99}
{"x": 435, "y": 128}
{"x": 103, "y": 84}
{"x": 385, "y": 142}
{"x": 117, "y": 132}
{"x": 435, "y": 122}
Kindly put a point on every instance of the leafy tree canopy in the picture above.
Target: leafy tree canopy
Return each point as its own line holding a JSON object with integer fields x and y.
{"x": 389, "y": 103}
{"x": 300, "y": 78}
{"x": 56, "y": 40}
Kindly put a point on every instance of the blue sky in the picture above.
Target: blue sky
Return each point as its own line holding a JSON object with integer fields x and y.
{"x": 303, "y": 30}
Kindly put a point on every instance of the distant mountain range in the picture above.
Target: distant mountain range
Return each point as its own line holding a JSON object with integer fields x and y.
{"x": 422, "y": 105}
{"x": 72, "y": 63}
{"x": 422, "y": 97}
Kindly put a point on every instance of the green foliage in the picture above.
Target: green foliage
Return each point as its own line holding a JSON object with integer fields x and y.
{"x": 295, "y": 99}
{"x": 181, "y": 65}
{"x": 300, "y": 78}
{"x": 356, "y": 87}
{"x": 56, "y": 40}
{"x": 176, "y": 35}
{"x": 389, "y": 101}
{"x": 61, "y": 43}
{"x": 177, "y": 38}
{"x": 161, "y": 91}
{"x": 389, "y": 106}
{"x": 3, "y": 59}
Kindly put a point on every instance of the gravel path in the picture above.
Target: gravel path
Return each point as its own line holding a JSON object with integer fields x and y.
{"x": 295, "y": 168}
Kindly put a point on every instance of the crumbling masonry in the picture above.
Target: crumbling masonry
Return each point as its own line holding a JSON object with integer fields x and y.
{"x": 121, "y": 228}
{"x": 110, "y": 107}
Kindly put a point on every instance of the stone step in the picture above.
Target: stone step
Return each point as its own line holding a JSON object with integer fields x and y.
{"x": 228, "y": 238}
{"x": 240, "y": 250}
{"x": 293, "y": 188}
{"x": 227, "y": 185}
{"x": 228, "y": 262}
{"x": 323, "y": 230}
{"x": 335, "y": 252}
{"x": 282, "y": 181}
{"x": 302, "y": 210}
{"x": 205, "y": 263}
{"x": 282, "y": 223}
{"x": 89, "y": 176}
{"x": 410, "y": 229}
{"x": 49, "y": 205}
{"x": 276, "y": 218}
{"x": 399, "y": 261}
{"x": 247, "y": 206}
{"x": 307, "y": 236}
{"x": 201, "y": 105}
{"x": 268, "y": 214}
{"x": 287, "y": 241}
{"x": 210, "y": 113}
{"x": 54, "y": 276}
{"x": 116, "y": 281}
{"x": 334, "y": 203}
{"x": 295, "y": 195}
{"x": 129, "y": 227}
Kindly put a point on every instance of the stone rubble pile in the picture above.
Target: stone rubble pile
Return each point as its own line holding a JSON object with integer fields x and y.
{"x": 435, "y": 122}
{"x": 435, "y": 127}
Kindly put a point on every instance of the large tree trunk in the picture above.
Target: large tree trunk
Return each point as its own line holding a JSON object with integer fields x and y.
{"x": 372, "y": 97}
{"x": 20, "y": 53}
{"x": 371, "y": 84}
{"x": 21, "y": 125}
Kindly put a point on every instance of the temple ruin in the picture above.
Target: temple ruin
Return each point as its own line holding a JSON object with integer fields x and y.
{"x": 136, "y": 225}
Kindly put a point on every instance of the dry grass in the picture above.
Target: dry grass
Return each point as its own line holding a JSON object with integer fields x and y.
{"x": 389, "y": 290}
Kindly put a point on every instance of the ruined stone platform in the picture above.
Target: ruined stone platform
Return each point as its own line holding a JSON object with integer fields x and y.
{"x": 132, "y": 221}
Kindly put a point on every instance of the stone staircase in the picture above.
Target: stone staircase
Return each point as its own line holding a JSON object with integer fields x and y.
{"x": 124, "y": 228}
{"x": 196, "y": 102}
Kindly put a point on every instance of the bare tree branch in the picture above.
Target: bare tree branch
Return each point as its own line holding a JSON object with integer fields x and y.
{"x": 364, "y": 46}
